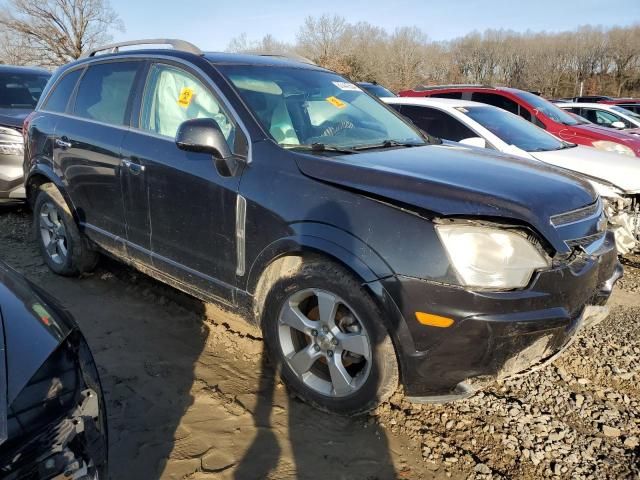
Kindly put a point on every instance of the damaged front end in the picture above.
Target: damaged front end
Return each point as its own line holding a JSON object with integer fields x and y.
{"x": 56, "y": 425}
{"x": 623, "y": 213}
{"x": 52, "y": 415}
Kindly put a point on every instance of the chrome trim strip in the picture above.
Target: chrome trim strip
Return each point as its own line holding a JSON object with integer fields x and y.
{"x": 241, "y": 222}
{"x": 590, "y": 211}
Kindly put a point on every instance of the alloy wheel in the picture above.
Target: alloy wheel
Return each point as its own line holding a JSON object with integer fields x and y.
{"x": 324, "y": 342}
{"x": 53, "y": 233}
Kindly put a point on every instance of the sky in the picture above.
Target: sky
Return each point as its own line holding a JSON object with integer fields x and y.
{"x": 212, "y": 24}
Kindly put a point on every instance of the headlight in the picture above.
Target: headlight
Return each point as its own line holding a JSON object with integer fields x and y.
{"x": 11, "y": 149}
{"x": 491, "y": 257}
{"x": 613, "y": 147}
{"x": 11, "y": 142}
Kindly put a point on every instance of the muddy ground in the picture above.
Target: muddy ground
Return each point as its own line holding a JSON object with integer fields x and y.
{"x": 189, "y": 395}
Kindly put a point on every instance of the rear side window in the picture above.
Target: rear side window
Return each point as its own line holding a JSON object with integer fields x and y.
{"x": 437, "y": 123}
{"x": 497, "y": 101}
{"x": 634, "y": 107}
{"x": 456, "y": 95}
{"x": 104, "y": 92}
{"x": 61, "y": 93}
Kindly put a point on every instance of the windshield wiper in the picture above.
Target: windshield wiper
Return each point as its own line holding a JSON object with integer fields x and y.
{"x": 321, "y": 147}
{"x": 388, "y": 144}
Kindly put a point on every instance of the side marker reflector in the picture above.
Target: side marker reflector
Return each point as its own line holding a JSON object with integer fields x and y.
{"x": 433, "y": 320}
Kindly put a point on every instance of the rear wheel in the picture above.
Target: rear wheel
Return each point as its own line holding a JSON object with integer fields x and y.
{"x": 65, "y": 250}
{"x": 327, "y": 337}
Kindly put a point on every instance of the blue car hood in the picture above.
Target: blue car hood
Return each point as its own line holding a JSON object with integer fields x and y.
{"x": 31, "y": 329}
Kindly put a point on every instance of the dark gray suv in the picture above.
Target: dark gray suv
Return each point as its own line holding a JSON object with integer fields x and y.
{"x": 369, "y": 253}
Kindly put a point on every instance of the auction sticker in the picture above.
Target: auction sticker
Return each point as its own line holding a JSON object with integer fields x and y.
{"x": 336, "y": 102}
{"x": 349, "y": 87}
{"x": 184, "y": 99}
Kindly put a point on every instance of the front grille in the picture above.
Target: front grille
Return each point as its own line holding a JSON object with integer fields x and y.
{"x": 578, "y": 215}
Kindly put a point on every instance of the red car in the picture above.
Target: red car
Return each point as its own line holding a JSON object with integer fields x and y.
{"x": 539, "y": 111}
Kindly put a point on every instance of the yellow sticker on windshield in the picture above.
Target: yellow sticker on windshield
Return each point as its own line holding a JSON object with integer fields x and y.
{"x": 336, "y": 102}
{"x": 186, "y": 94}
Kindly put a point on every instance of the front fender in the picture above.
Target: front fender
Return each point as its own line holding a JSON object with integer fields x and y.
{"x": 324, "y": 239}
{"x": 356, "y": 256}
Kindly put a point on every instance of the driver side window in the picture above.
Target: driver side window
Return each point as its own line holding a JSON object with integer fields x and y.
{"x": 173, "y": 96}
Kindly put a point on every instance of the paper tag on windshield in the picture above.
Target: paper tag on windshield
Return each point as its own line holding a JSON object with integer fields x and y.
{"x": 184, "y": 99}
{"x": 349, "y": 87}
{"x": 336, "y": 102}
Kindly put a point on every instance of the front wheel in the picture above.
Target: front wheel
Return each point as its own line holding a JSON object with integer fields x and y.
{"x": 326, "y": 335}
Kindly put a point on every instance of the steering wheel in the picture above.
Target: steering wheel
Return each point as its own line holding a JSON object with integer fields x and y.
{"x": 337, "y": 128}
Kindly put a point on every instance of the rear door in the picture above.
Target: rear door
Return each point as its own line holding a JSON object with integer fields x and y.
{"x": 87, "y": 148}
{"x": 189, "y": 225}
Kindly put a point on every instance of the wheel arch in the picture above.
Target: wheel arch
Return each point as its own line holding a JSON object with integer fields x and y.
{"x": 38, "y": 177}
{"x": 286, "y": 255}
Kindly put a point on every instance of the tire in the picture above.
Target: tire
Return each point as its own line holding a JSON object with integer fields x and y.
{"x": 367, "y": 377}
{"x": 65, "y": 250}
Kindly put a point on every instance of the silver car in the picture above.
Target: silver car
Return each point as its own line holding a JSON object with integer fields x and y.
{"x": 20, "y": 89}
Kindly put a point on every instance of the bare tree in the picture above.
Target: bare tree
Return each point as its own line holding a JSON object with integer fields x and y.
{"x": 323, "y": 39}
{"x": 624, "y": 51}
{"x": 268, "y": 44}
{"x": 406, "y": 57}
{"x": 54, "y": 32}
{"x": 607, "y": 60}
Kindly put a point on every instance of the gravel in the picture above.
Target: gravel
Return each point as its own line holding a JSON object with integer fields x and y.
{"x": 631, "y": 280}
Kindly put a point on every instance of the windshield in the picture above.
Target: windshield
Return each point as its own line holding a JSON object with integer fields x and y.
{"x": 626, "y": 112}
{"x": 21, "y": 90}
{"x": 547, "y": 108}
{"x": 378, "y": 91}
{"x": 512, "y": 129}
{"x": 304, "y": 107}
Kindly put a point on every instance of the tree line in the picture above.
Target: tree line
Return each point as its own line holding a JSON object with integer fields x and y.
{"x": 604, "y": 60}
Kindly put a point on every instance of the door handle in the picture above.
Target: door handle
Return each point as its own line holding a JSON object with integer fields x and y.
{"x": 63, "y": 144}
{"x": 133, "y": 167}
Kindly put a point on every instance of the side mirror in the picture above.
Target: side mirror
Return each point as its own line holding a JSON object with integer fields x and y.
{"x": 203, "y": 135}
{"x": 619, "y": 125}
{"x": 474, "y": 142}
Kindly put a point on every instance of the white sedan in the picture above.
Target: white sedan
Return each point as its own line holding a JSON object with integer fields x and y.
{"x": 615, "y": 177}
{"x": 604, "y": 115}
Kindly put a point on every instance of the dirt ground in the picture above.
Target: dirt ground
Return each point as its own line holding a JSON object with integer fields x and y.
{"x": 189, "y": 395}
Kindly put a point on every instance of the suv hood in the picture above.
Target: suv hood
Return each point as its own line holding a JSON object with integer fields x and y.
{"x": 13, "y": 117}
{"x": 621, "y": 171}
{"x": 457, "y": 180}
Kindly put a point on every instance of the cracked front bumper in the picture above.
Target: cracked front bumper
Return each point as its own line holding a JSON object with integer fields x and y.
{"x": 496, "y": 335}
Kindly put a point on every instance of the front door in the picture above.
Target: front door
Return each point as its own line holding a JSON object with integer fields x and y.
{"x": 190, "y": 198}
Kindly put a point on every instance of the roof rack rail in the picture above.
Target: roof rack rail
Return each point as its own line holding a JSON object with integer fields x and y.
{"x": 424, "y": 88}
{"x": 290, "y": 56}
{"x": 180, "y": 45}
